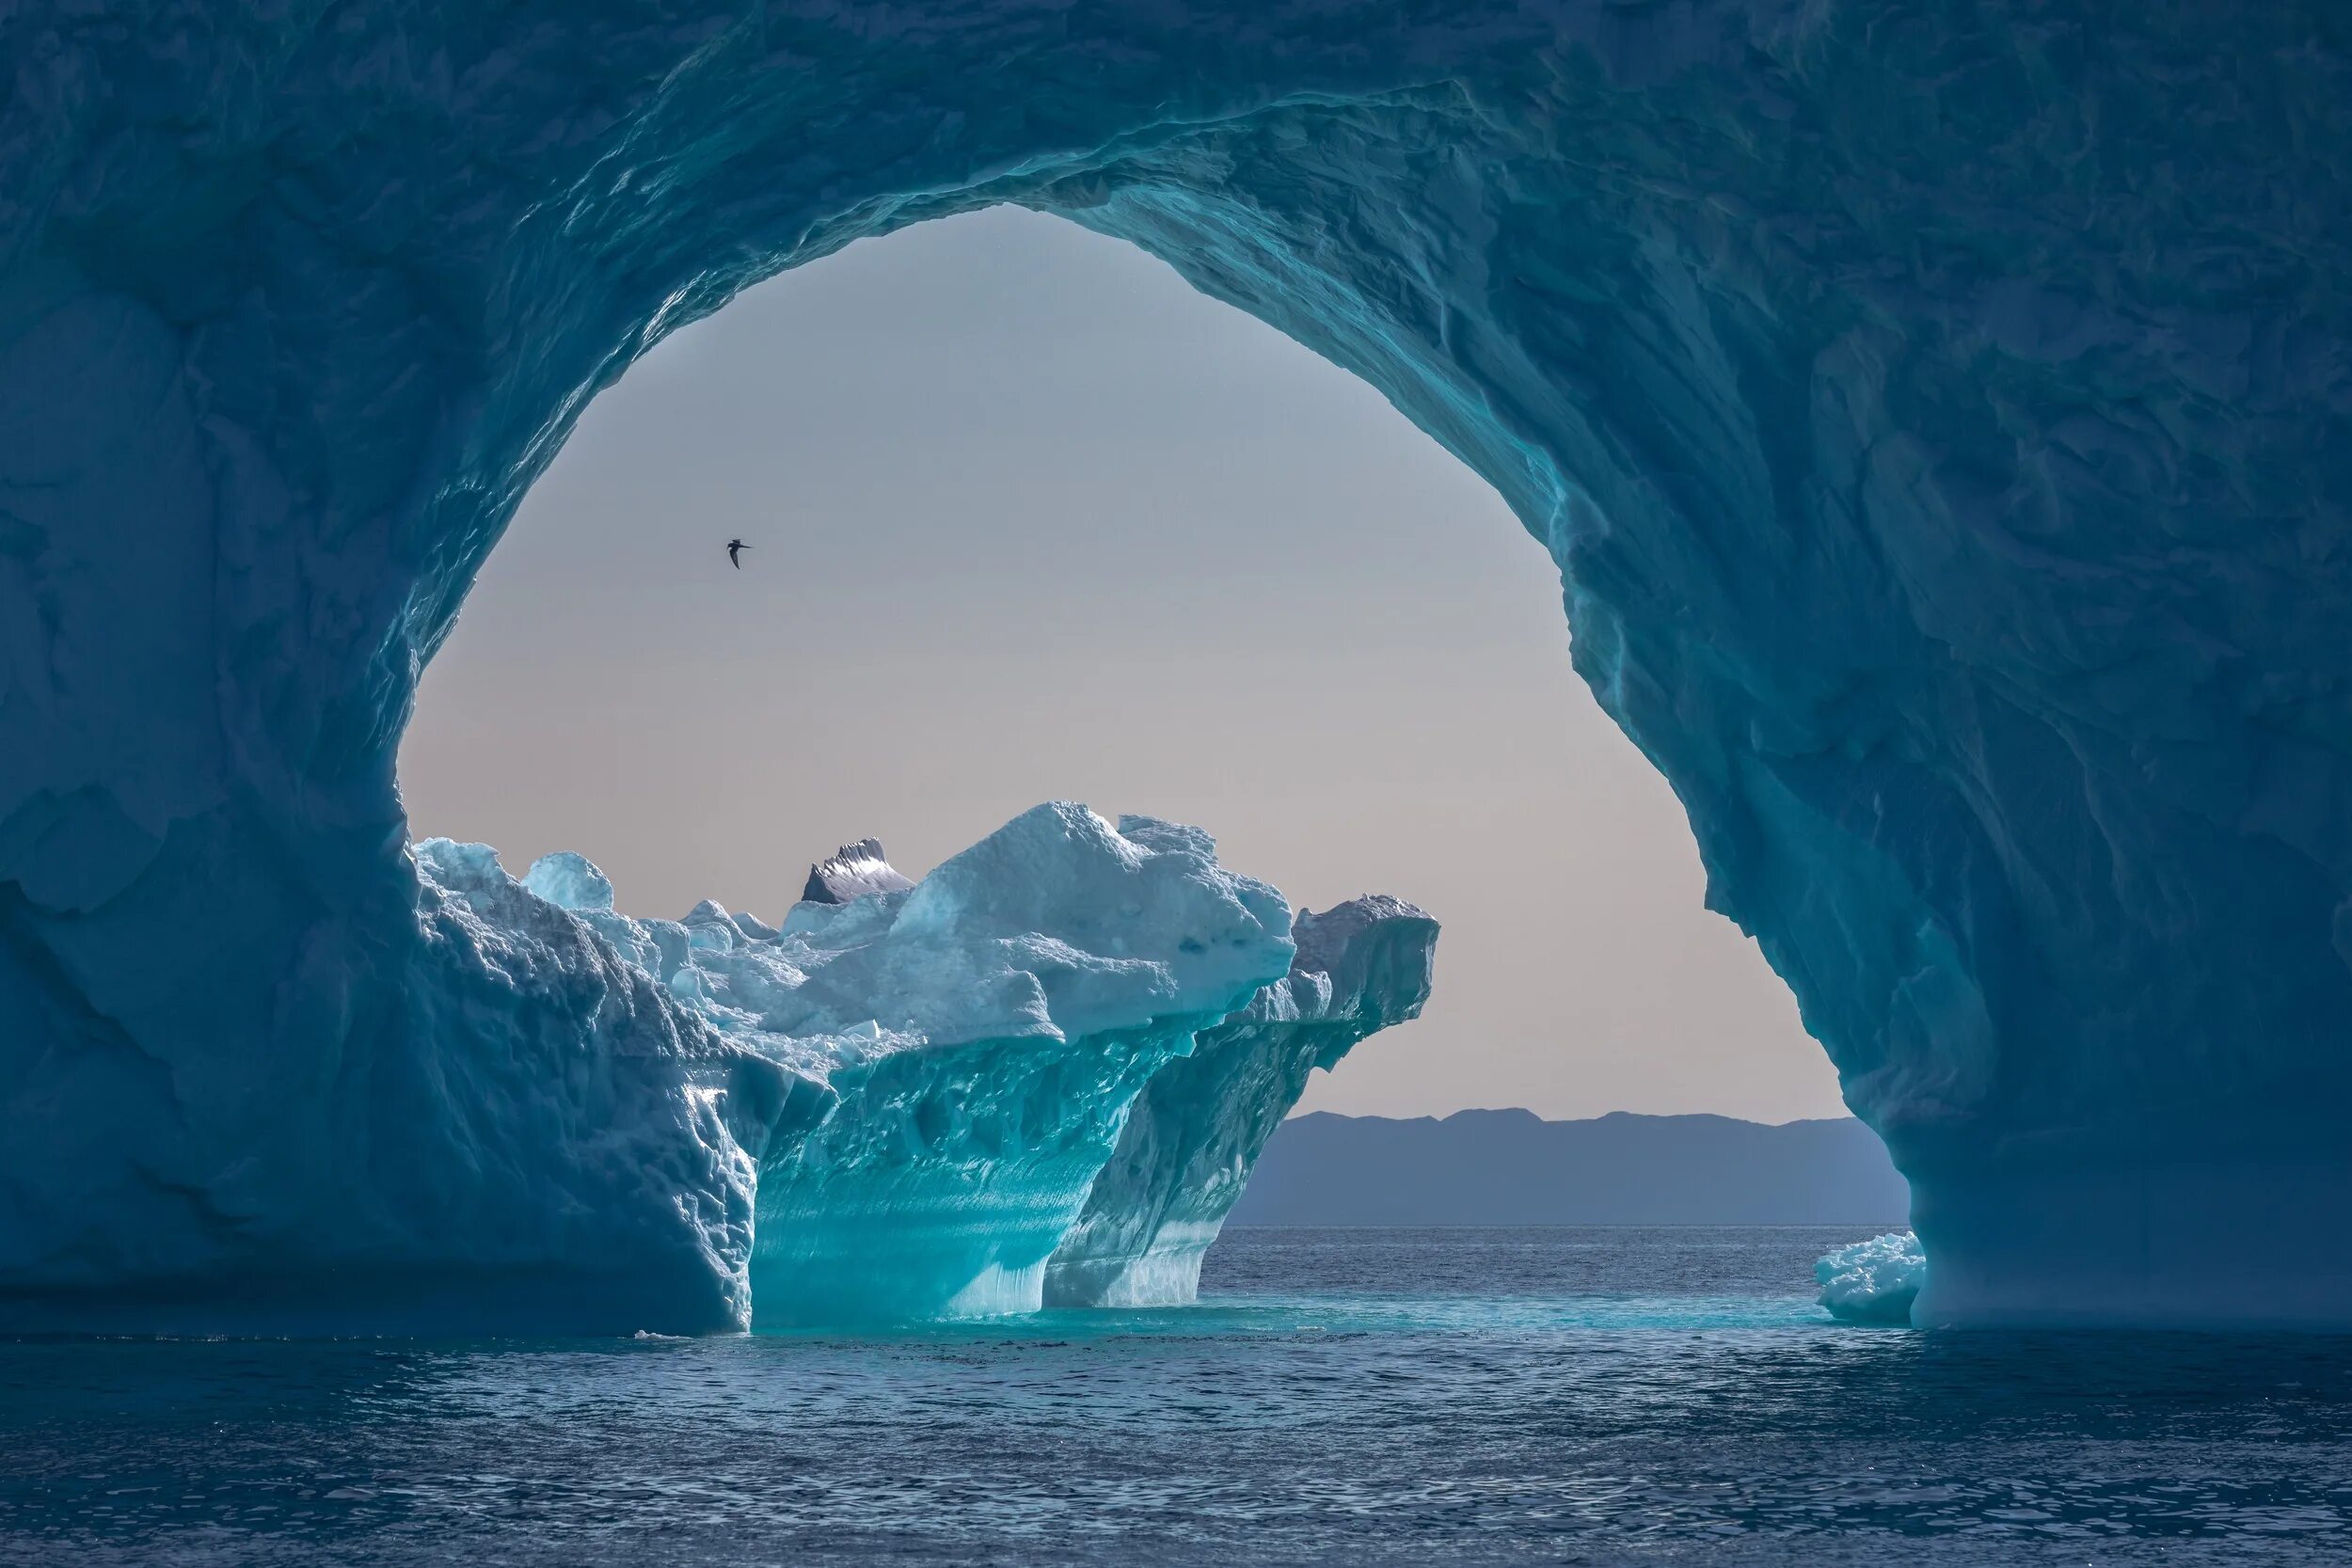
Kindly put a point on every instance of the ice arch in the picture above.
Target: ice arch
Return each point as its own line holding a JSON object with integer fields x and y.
{"x": 1939, "y": 415}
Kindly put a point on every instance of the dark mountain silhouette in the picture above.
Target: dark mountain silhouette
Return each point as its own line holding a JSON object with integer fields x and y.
{"x": 1512, "y": 1168}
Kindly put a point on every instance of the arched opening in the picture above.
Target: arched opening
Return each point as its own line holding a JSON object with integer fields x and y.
{"x": 1032, "y": 518}
{"x": 1955, "y": 536}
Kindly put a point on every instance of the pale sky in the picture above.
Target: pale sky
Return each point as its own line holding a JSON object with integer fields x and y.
{"x": 1033, "y": 520}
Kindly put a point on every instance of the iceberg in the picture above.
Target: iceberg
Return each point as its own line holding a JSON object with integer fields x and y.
{"x": 1876, "y": 1281}
{"x": 984, "y": 1033}
{"x": 1202, "y": 1121}
{"x": 957, "y": 1060}
{"x": 890, "y": 1107}
{"x": 1938, "y": 432}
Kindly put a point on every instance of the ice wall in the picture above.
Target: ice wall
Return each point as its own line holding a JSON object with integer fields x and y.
{"x": 520, "y": 1131}
{"x": 1938, "y": 414}
{"x": 851, "y": 872}
{"x": 1202, "y": 1121}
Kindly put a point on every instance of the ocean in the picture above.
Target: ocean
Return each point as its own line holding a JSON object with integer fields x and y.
{"x": 1373, "y": 1396}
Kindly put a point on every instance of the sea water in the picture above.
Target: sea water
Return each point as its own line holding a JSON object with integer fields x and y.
{"x": 1593, "y": 1396}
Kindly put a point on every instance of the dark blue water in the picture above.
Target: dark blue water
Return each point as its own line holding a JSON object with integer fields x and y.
{"x": 1425, "y": 1397}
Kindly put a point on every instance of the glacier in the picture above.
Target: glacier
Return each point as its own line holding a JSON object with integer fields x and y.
{"x": 1938, "y": 416}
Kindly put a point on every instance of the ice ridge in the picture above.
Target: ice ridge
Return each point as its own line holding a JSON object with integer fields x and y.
{"x": 851, "y": 872}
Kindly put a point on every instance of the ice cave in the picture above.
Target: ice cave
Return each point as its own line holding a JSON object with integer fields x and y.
{"x": 1941, "y": 417}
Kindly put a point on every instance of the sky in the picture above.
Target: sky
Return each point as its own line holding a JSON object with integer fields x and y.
{"x": 1031, "y": 519}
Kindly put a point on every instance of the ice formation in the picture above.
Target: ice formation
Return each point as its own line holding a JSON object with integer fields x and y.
{"x": 1937, "y": 416}
{"x": 1202, "y": 1120}
{"x": 955, "y": 1061}
{"x": 985, "y": 1032}
{"x": 851, "y": 871}
{"x": 1875, "y": 1281}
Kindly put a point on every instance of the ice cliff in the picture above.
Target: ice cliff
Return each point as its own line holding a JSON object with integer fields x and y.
{"x": 1202, "y": 1120}
{"x": 1938, "y": 414}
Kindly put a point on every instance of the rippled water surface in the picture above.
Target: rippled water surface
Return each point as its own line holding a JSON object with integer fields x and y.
{"x": 1577, "y": 1396}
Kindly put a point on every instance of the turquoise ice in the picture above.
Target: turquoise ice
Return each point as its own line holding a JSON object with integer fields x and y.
{"x": 1198, "y": 1126}
{"x": 1938, "y": 415}
{"x": 914, "y": 1089}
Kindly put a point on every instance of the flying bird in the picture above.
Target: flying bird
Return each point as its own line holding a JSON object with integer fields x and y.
{"x": 735, "y": 553}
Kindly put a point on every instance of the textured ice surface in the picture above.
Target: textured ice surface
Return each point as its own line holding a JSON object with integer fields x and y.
{"x": 1874, "y": 1281}
{"x": 1202, "y": 1122}
{"x": 985, "y": 1032}
{"x": 1939, "y": 421}
{"x": 957, "y": 1058}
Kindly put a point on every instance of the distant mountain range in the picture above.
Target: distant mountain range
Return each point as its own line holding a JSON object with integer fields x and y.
{"x": 1512, "y": 1168}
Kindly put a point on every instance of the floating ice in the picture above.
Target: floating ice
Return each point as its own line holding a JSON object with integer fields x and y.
{"x": 1939, "y": 432}
{"x": 957, "y": 1058}
{"x": 1874, "y": 1281}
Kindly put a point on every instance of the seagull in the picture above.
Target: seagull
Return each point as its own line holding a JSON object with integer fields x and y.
{"x": 734, "y": 549}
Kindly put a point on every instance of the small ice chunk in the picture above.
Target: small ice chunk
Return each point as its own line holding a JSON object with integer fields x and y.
{"x": 1873, "y": 1281}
